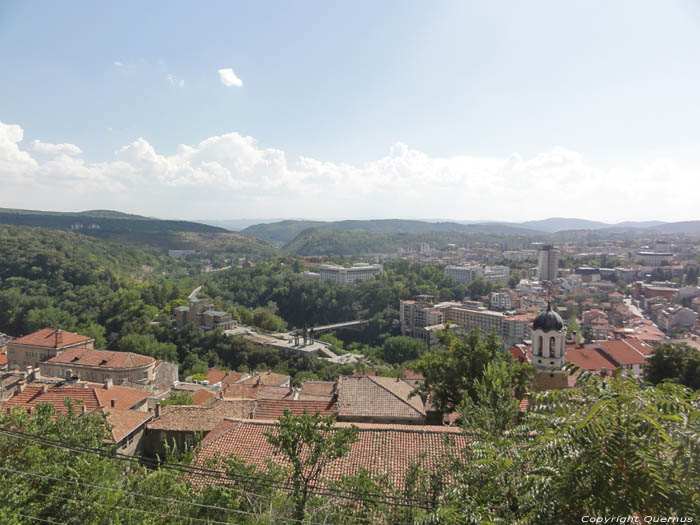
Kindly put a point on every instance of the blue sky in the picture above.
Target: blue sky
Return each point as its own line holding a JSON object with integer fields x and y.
{"x": 461, "y": 110}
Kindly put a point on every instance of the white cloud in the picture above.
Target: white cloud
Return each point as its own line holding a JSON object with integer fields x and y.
{"x": 231, "y": 175}
{"x": 54, "y": 149}
{"x": 174, "y": 81}
{"x": 229, "y": 79}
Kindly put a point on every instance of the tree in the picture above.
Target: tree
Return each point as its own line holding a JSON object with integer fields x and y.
{"x": 401, "y": 349}
{"x": 679, "y": 363}
{"x": 609, "y": 447}
{"x": 309, "y": 442}
{"x": 450, "y": 370}
{"x": 493, "y": 407}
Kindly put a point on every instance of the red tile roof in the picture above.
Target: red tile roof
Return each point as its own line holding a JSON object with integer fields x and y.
{"x": 374, "y": 396}
{"x": 124, "y": 421}
{"x": 591, "y": 359}
{"x": 47, "y": 337}
{"x": 240, "y": 391}
{"x": 201, "y": 397}
{"x": 123, "y": 397}
{"x": 622, "y": 352}
{"x": 193, "y": 418}
{"x": 274, "y": 392}
{"x": 214, "y": 375}
{"x": 92, "y": 398}
{"x": 318, "y": 388}
{"x": 33, "y": 395}
{"x": 266, "y": 379}
{"x": 271, "y": 409}
{"x": 102, "y": 358}
{"x": 380, "y": 449}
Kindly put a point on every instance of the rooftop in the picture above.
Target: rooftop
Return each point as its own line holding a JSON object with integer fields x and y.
{"x": 102, "y": 358}
{"x": 380, "y": 449}
{"x": 52, "y": 338}
{"x": 374, "y": 396}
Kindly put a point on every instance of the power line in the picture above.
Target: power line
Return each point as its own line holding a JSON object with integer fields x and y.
{"x": 160, "y": 498}
{"x": 39, "y": 519}
{"x": 217, "y": 474}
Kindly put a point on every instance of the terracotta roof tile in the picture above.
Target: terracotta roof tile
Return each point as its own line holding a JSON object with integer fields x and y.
{"x": 270, "y": 409}
{"x": 380, "y": 449}
{"x": 124, "y": 421}
{"x": 240, "y": 391}
{"x": 202, "y": 397}
{"x": 267, "y": 379}
{"x": 194, "y": 418}
{"x": 318, "y": 388}
{"x": 591, "y": 359}
{"x": 102, "y": 358}
{"x": 622, "y": 352}
{"x": 47, "y": 337}
{"x": 214, "y": 375}
{"x": 374, "y": 396}
{"x": 123, "y": 397}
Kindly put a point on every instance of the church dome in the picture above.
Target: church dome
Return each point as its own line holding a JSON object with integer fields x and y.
{"x": 548, "y": 320}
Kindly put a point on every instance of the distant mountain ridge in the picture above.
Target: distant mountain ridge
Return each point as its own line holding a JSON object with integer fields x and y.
{"x": 283, "y": 232}
{"x": 142, "y": 231}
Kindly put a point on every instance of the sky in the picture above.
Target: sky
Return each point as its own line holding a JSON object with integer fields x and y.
{"x": 460, "y": 110}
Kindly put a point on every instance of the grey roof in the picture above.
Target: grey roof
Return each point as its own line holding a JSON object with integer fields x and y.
{"x": 548, "y": 320}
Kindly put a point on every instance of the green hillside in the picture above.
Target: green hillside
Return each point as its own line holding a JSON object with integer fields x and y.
{"x": 342, "y": 242}
{"x": 286, "y": 231}
{"x": 142, "y": 231}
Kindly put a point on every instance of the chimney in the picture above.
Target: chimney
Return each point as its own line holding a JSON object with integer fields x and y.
{"x": 157, "y": 409}
{"x": 108, "y": 383}
{"x": 85, "y": 386}
{"x": 112, "y": 402}
{"x": 21, "y": 386}
{"x": 84, "y": 408}
{"x": 44, "y": 389}
{"x": 59, "y": 337}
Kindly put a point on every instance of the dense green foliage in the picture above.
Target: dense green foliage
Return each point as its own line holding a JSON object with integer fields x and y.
{"x": 454, "y": 370}
{"x": 610, "y": 447}
{"x": 317, "y": 241}
{"x": 285, "y": 231}
{"x": 679, "y": 363}
{"x": 309, "y": 443}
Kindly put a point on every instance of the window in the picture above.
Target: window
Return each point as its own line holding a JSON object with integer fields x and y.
{"x": 189, "y": 440}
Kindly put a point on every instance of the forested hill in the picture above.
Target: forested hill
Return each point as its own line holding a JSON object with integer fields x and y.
{"x": 95, "y": 221}
{"x": 339, "y": 242}
{"x": 142, "y": 231}
{"x": 285, "y": 231}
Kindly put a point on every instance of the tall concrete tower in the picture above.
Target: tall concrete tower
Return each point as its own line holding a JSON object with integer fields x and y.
{"x": 547, "y": 263}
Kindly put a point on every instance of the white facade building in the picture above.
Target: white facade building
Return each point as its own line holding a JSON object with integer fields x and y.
{"x": 355, "y": 274}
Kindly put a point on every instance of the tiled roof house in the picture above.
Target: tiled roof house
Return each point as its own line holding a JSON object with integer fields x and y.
{"x": 375, "y": 399}
{"x": 381, "y": 449}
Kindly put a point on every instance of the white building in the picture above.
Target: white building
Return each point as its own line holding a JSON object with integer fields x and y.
{"x": 355, "y": 274}
{"x": 500, "y": 301}
{"x": 654, "y": 258}
{"x": 547, "y": 263}
{"x": 465, "y": 274}
{"x": 497, "y": 274}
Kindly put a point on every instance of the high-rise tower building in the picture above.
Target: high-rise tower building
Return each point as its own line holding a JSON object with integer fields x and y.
{"x": 548, "y": 263}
